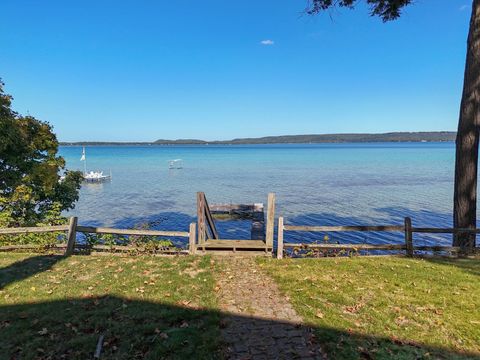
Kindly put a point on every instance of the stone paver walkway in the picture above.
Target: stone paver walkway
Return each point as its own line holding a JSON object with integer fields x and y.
{"x": 261, "y": 323}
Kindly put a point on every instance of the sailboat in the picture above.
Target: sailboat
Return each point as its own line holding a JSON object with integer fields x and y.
{"x": 92, "y": 176}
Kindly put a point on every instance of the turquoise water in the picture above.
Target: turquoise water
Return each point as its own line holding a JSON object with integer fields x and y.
{"x": 315, "y": 184}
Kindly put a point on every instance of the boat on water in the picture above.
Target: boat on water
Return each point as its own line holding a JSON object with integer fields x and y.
{"x": 93, "y": 176}
{"x": 96, "y": 176}
{"x": 175, "y": 164}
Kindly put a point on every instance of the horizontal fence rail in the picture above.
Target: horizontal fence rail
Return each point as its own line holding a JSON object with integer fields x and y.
{"x": 131, "y": 232}
{"x": 31, "y": 230}
{"x": 407, "y": 228}
{"x": 344, "y": 228}
{"x": 72, "y": 228}
{"x": 445, "y": 230}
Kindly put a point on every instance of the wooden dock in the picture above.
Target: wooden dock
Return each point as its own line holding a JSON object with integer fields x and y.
{"x": 261, "y": 234}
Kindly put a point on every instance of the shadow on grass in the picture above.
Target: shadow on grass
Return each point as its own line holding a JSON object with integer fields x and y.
{"x": 26, "y": 268}
{"x": 466, "y": 265}
{"x": 70, "y": 329}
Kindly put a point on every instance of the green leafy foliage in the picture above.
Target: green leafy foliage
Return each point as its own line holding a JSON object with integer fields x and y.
{"x": 385, "y": 9}
{"x": 31, "y": 191}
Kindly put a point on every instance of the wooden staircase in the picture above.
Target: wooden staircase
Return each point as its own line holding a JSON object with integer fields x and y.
{"x": 261, "y": 236}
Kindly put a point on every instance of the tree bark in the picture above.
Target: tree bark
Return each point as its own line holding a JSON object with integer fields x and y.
{"x": 466, "y": 159}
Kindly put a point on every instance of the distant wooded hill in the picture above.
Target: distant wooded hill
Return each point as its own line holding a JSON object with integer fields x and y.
{"x": 434, "y": 136}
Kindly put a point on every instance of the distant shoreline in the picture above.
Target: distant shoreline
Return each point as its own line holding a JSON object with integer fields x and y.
{"x": 392, "y": 137}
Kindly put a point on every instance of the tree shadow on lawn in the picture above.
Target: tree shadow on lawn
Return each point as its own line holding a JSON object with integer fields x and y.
{"x": 26, "y": 268}
{"x": 135, "y": 329}
{"x": 469, "y": 266}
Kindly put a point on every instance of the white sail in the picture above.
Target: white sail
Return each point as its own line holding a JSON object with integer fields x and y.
{"x": 83, "y": 154}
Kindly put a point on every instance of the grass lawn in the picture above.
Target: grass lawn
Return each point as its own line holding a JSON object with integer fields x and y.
{"x": 52, "y": 307}
{"x": 383, "y": 308}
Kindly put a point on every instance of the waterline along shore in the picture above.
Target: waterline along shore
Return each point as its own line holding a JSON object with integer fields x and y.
{"x": 203, "y": 236}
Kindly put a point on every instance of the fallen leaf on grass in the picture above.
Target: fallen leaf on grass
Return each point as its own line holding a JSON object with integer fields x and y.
{"x": 319, "y": 314}
{"x": 401, "y": 321}
{"x": 353, "y": 309}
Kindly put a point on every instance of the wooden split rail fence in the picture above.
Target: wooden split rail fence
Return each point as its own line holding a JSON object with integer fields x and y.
{"x": 73, "y": 228}
{"x": 407, "y": 229}
{"x": 262, "y": 236}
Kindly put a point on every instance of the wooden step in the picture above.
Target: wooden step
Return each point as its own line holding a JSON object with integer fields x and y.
{"x": 233, "y": 244}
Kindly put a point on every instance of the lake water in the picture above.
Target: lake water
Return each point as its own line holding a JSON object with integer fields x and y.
{"x": 315, "y": 184}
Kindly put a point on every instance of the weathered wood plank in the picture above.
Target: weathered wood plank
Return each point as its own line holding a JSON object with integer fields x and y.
{"x": 235, "y": 244}
{"x": 280, "y": 238}
{"x": 31, "y": 247}
{"x": 191, "y": 240}
{"x": 270, "y": 219}
{"x": 103, "y": 230}
{"x": 443, "y": 230}
{"x": 210, "y": 221}
{"x": 344, "y": 228}
{"x": 227, "y": 208}
{"x": 201, "y": 218}
{"x": 346, "y": 246}
{"x": 71, "y": 235}
{"x": 26, "y": 230}
{"x": 408, "y": 237}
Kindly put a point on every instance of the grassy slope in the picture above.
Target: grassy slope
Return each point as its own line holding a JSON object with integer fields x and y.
{"x": 146, "y": 307}
{"x": 386, "y": 307}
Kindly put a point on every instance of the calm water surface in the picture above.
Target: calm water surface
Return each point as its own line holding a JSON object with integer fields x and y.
{"x": 315, "y": 184}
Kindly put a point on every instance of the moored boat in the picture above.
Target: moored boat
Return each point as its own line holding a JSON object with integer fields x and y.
{"x": 93, "y": 176}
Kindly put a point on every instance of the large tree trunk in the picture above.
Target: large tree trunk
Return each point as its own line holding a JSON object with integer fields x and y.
{"x": 466, "y": 160}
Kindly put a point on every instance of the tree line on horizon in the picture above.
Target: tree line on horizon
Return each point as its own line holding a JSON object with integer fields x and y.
{"x": 428, "y": 136}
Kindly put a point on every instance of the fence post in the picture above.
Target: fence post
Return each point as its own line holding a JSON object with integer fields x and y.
{"x": 270, "y": 220}
{"x": 280, "y": 238}
{"x": 71, "y": 235}
{"x": 201, "y": 218}
{"x": 191, "y": 239}
{"x": 408, "y": 237}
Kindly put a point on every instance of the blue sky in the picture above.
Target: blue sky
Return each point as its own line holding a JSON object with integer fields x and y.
{"x": 148, "y": 69}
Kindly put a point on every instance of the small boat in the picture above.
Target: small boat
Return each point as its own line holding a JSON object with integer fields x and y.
{"x": 93, "y": 176}
{"x": 96, "y": 176}
{"x": 175, "y": 164}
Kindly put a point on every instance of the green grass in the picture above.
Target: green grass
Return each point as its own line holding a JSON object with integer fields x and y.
{"x": 146, "y": 307}
{"x": 385, "y": 308}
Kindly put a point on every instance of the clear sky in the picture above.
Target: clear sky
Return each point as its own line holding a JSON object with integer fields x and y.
{"x": 218, "y": 69}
